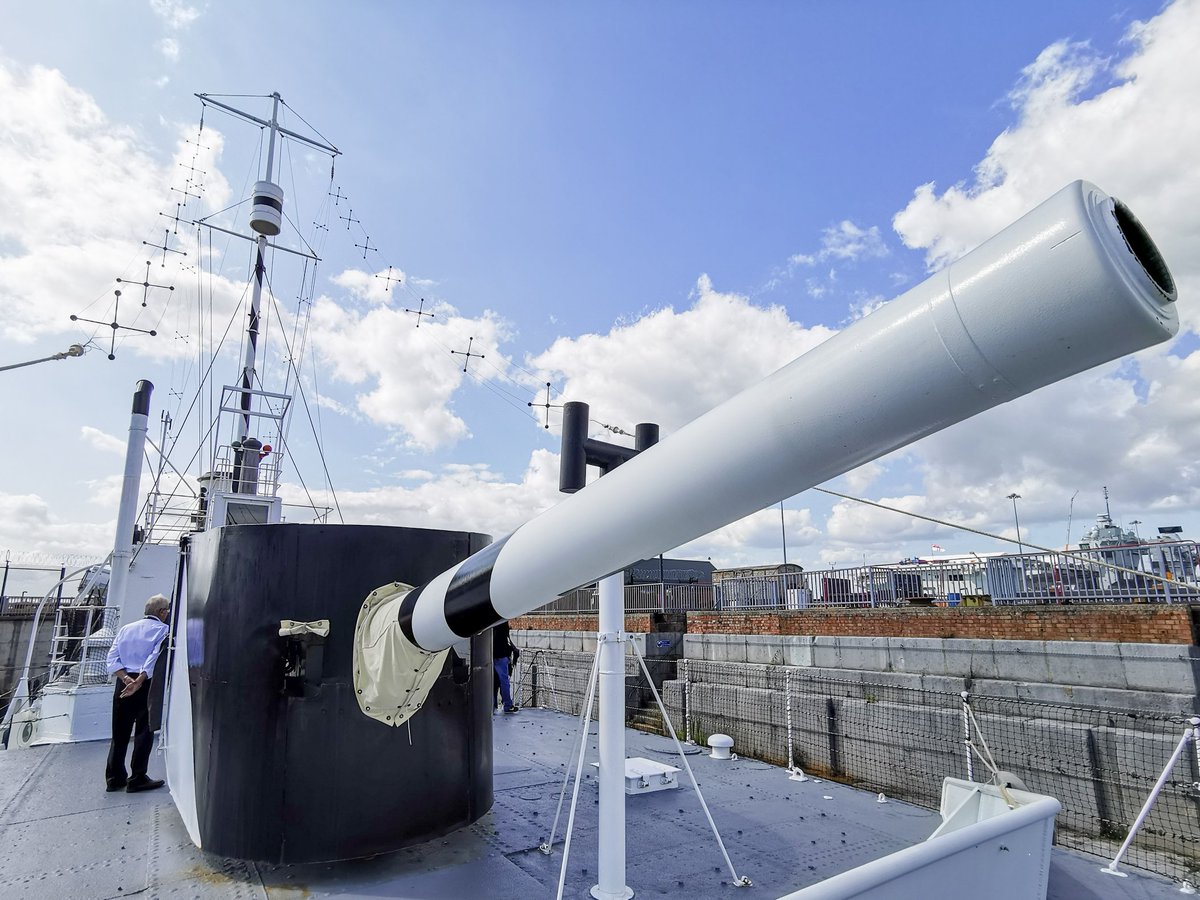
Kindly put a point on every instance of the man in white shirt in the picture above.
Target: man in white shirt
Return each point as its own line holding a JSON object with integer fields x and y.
{"x": 134, "y": 651}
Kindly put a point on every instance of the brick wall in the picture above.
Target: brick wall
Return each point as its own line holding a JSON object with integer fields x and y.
{"x": 635, "y": 623}
{"x": 1135, "y": 624}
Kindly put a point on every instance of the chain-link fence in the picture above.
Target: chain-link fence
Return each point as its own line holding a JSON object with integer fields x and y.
{"x": 902, "y": 741}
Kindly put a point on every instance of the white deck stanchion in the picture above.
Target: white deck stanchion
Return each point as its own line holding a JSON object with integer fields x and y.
{"x": 1189, "y": 734}
{"x": 966, "y": 717}
{"x": 611, "y": 884}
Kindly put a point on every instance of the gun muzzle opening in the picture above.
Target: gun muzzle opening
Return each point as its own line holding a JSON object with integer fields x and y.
{"x": 1144, "y": 250}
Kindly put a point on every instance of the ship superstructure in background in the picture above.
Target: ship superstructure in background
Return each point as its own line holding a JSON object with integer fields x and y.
{"x": 1169, "y": 557}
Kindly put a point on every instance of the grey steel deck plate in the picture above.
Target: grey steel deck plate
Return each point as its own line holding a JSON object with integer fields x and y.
{"x": 62, "y": 836}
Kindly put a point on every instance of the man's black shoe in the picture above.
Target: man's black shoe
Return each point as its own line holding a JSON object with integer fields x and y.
{"x": 115, "y": 786}
{"x": 146, "y": 784}
{"x": 513, "y": 709}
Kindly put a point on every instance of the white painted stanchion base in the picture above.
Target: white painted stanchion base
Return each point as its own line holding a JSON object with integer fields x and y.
{"x": 1109, "y": 870}
{"x": 624, "y": 894}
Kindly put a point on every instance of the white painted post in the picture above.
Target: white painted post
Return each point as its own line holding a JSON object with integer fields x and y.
{"x": 1189, "y": 734}
{"x": 687, "y": 703}
{"x": 127, "y": 510}
{"x": 611, "y": 863}
{"x": 787, "y": 693}
{"x": 1196, "y": 744}
{"x": 794, "y": 773}
{"x": 966, "y": 718}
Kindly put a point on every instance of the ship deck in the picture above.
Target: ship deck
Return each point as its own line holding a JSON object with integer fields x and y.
{"x": 61, "y": 835}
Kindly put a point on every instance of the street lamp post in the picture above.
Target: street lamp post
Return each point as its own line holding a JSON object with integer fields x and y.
{"x": 1135, "y": 523}
{"x": 783, "y": 531}
{"x": 1014, "y": 498}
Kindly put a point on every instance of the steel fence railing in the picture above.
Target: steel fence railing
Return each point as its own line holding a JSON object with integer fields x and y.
{"x": 1163, "y": 572}
{"x": 23, "y": 585}
{"x": 1159, "y": 572}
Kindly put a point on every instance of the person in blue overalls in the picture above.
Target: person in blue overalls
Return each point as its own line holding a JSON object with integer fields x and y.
{"x": 502, "y": 651}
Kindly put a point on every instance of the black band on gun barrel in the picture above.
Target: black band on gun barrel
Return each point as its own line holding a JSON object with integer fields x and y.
{"x": 469, "y": 607}
{"x": 407, "y": 605}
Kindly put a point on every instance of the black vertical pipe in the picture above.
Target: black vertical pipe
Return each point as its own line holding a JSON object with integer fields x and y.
{"x": 260, "y": 271}
{"x": 572, "y": 471}
{"x": 141, "y": 398}
{"x": 831, "y": 732}
{"x": 645, "y": 436}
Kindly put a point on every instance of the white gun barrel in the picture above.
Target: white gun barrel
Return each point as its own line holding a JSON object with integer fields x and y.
{"x": 1074, "y": 283}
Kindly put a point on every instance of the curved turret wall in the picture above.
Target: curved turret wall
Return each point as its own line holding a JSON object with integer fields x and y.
{"x": 287, "y": 769}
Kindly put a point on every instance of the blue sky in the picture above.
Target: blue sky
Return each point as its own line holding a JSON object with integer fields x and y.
{"x": 649, "y": 205}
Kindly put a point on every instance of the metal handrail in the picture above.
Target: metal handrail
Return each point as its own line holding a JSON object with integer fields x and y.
{"x": 1162, "y": 572}
{"x": 21, "y": 696}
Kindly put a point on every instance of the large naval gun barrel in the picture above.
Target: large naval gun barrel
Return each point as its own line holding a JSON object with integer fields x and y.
{"x": 1074, "y": 283}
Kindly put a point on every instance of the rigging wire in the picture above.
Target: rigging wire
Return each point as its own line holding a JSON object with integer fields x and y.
{"x": 208, "y": 352}
{"x": 291, "y": 169}
{"x": 308, "y": 412}
{"x": 524, "y": 387}
{"x": 196, "y": 400}
{"x": 203, "y": 220}
{"x": 310, "y": 127}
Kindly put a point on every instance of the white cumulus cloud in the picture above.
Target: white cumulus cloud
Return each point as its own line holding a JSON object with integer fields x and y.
{"x": 670, "y": 366}
{"x": 175, "y": 14}
{"x": 382, "y": 353}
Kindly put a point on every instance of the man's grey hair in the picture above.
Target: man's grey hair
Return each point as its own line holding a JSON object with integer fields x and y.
{"x": 157, "y": 604}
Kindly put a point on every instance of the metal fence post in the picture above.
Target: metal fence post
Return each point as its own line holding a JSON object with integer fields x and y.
{"x": 787, "y": 695}
{"x": 687, "y": 704}
{"x": 1163, "y": 570}
{"x": 1196, "y": 745}
{"x": 794, "y": 773}
{"x": 966, "y": 720}
{"x": 1189, "y": 734}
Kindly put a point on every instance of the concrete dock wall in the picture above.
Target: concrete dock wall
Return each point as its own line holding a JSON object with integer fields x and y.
{"x": 1089, "y": 722}
{"x": 14, "y": 643}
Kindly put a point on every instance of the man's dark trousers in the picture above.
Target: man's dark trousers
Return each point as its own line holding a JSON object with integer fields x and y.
{"x": 131, "y": 714}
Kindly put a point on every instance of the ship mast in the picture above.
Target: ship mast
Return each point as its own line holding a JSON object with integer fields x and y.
{"x": 266, "y": 220}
